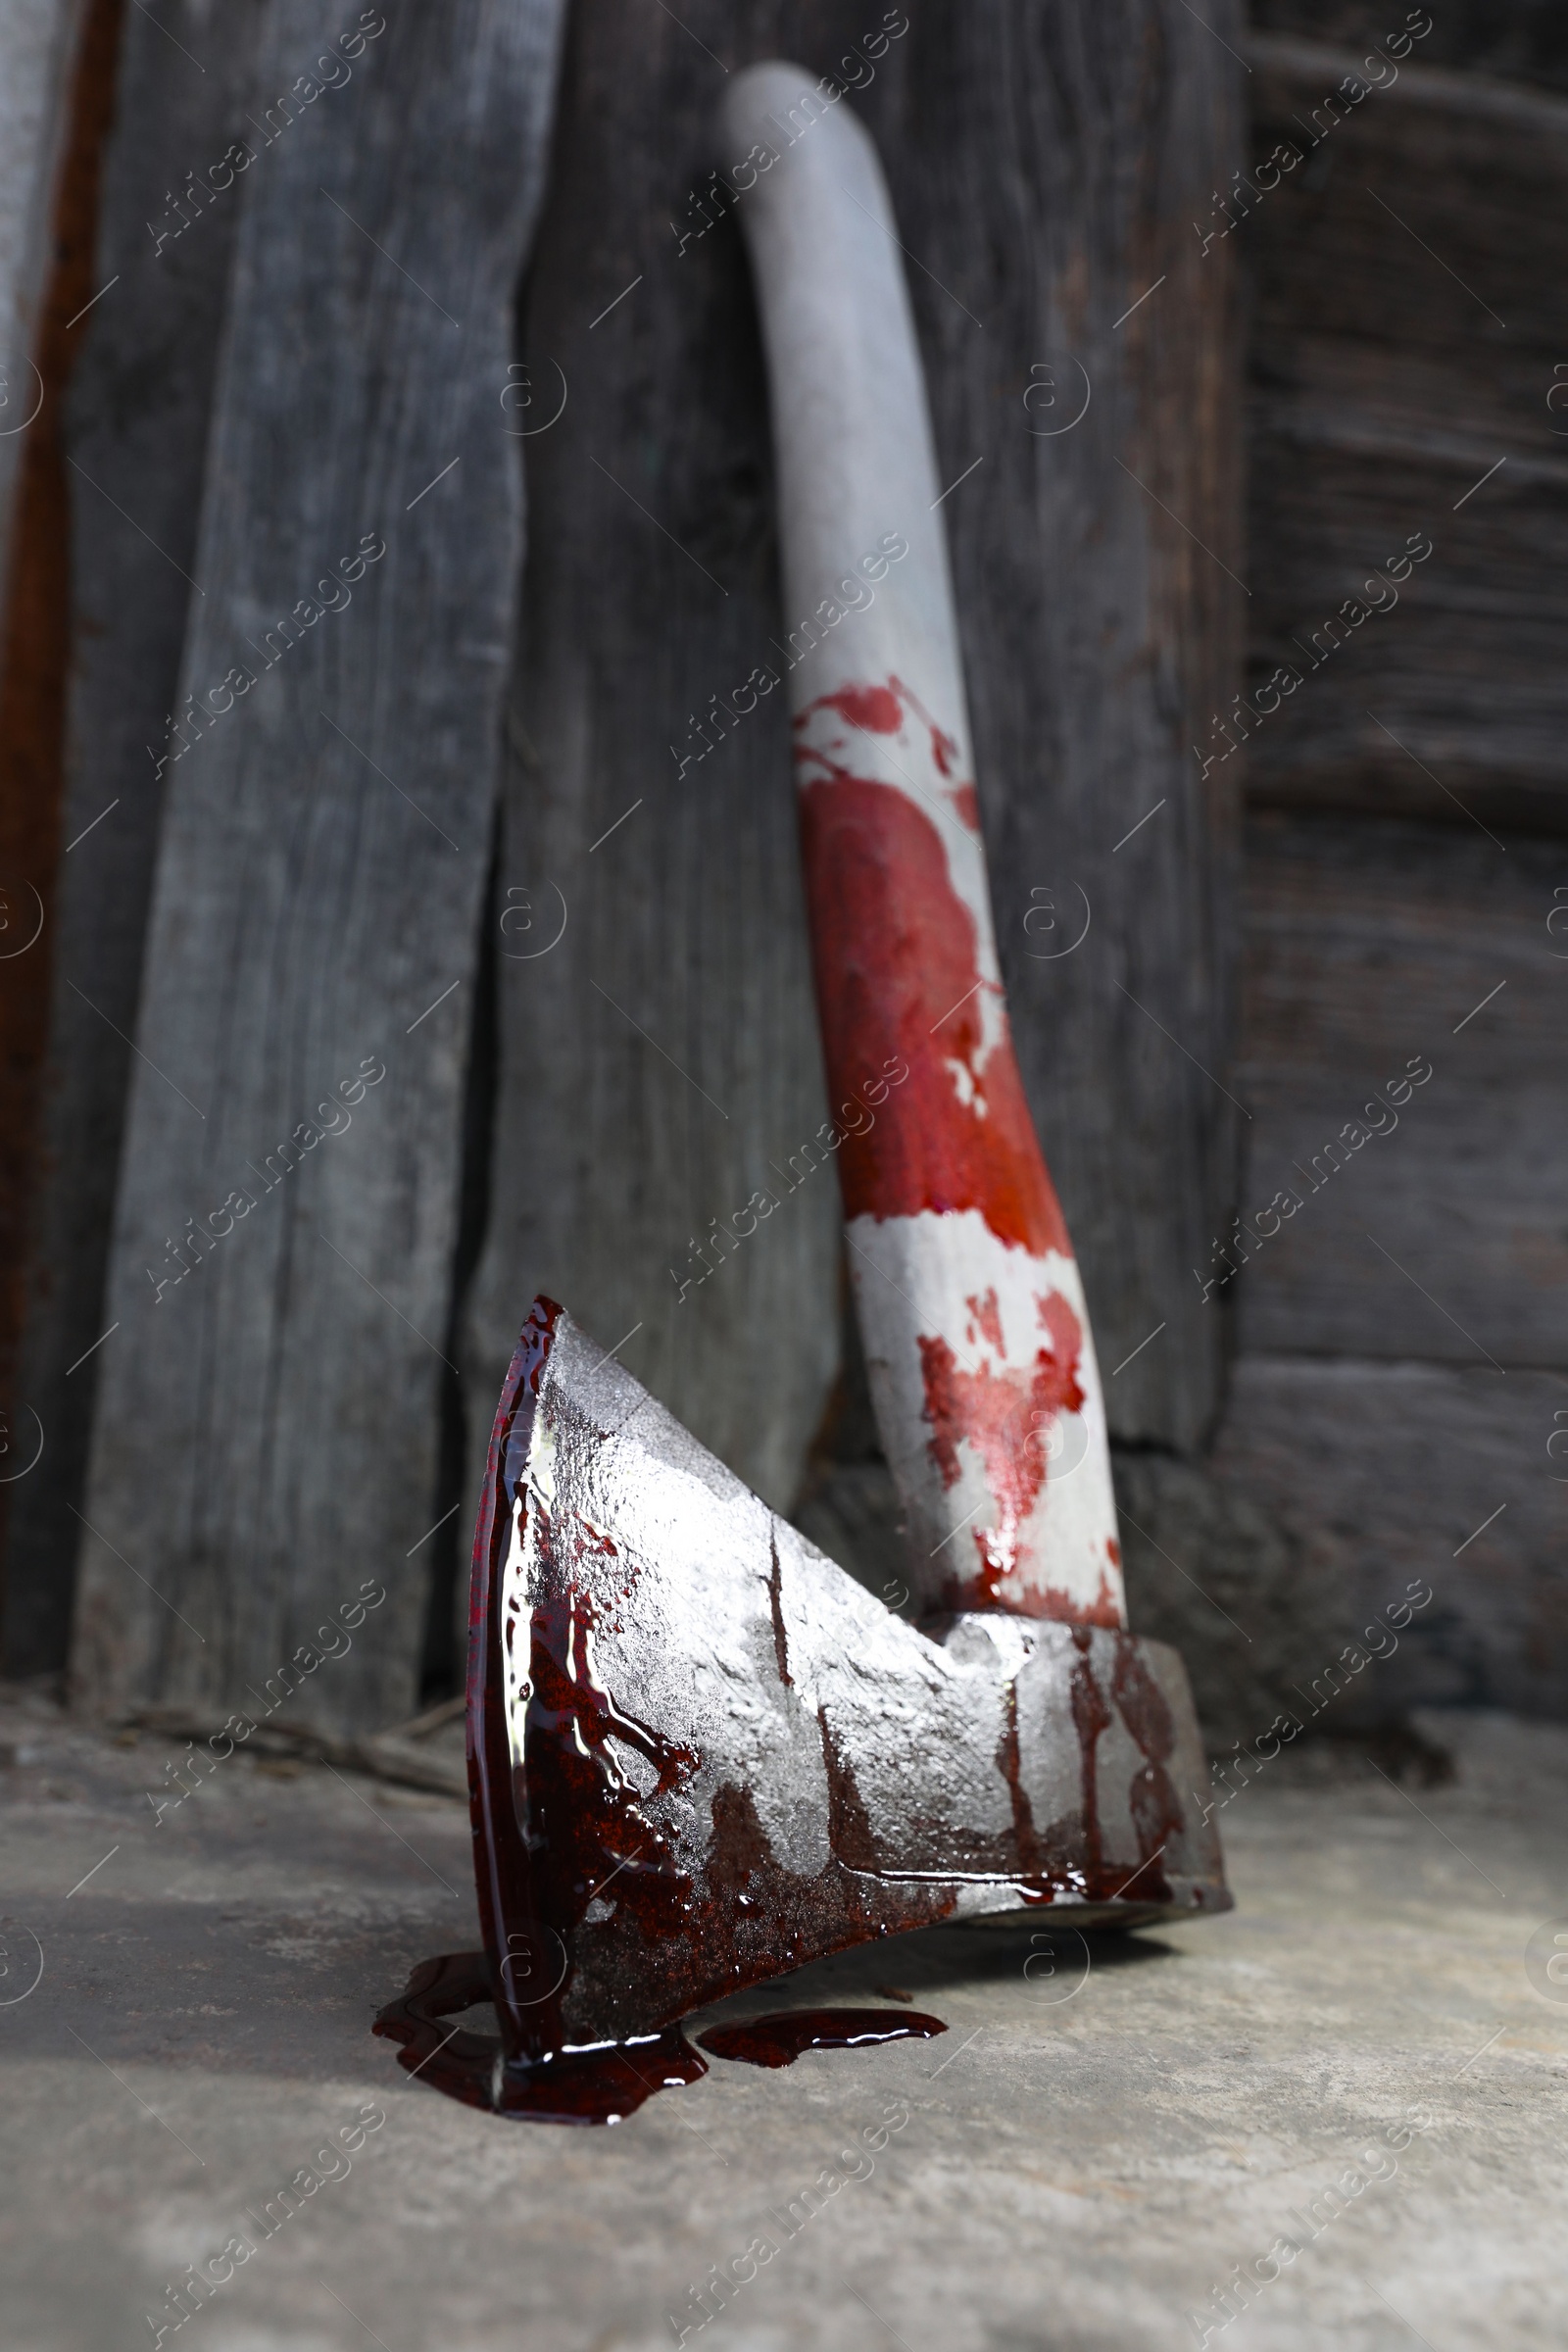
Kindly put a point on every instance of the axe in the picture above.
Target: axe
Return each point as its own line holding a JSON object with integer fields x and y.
{"x": 699, "y": 1753}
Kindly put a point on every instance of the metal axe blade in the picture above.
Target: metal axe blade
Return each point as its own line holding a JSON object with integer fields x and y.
{"x": 700, "y": 1754}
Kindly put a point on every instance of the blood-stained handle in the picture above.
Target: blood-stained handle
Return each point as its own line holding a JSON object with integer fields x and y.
{"x": 977, "y": 1339}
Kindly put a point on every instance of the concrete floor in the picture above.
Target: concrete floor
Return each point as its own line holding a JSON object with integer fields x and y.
{"x": 1082, "y": 2161}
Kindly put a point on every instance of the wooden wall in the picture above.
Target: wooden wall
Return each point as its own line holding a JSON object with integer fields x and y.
{"x": 1403, "y": 1344}
{"x": 1384, "y": 1372}
{"x": 275, "y": 902}
{"x": 277, "y": 1291}
{"x": 136, "y": 433}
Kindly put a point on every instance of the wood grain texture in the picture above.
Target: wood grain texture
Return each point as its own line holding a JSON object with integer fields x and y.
{"x": 1443, "y": 1235}
{"x": 35, "y": 667}
{"x": 1101, "y": 616}
{"x": 265, "y": 1432}
{"x": 1041, "y": 166}
{"x": 38, "y": 42}
{"x": 1381, "y": 1473}
{"x": 1406, "y": 334}
{"x": 658, "y": 1058}
{"x": 1522, "y": 40}
{"x": 136, "y": 433}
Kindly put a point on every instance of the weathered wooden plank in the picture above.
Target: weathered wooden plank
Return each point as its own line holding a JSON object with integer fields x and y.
{"x": 34, "y": 604}
{"x": 1429, "y": 1224}
{"x": 1417, "y": 1458}
{"x": 265, "y": 1437}
{"x": 136, "y": 435}
{"x": 1406, "y": 344}
{"x": 1042, "y": 166}
{"x": 37, "y": 49}
{"x": 1047, "y": 166}
{"x": 661, "y": 1054}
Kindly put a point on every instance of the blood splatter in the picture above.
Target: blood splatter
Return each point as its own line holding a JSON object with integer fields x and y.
{"x": 988, "y": 1316}
{"x": 584, "y": 1821}
{"x": 849, "y": 1823}
{"x": 1001, "y": 1414}
{"x": 896, "y": 953}
{"x": 880, "y": 711}
{"x": 1152, "y": 1798}
{"x": 1091, "y": 1716}
{"x": 874, "y": 708}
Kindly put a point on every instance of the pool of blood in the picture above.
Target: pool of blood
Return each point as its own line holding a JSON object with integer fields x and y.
{"x": 780, "y": 2039}
{"x": 607, "y": 2085}
{"x": 574, "y": 2087}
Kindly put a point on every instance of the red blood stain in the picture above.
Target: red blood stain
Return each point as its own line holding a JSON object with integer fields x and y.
{"x": 1050, "y": 1600}
{"x": 578, "y": 2086}
{"x": 1003, "y": 1414}
{"x": 944, "y": 746}
{"x": 874, "y": 708}
{"x": 895, "y": 949}
{"x": 1143, "y": 1704}
{"x": 1091, "y": 1716}
{"x": 850, "y": 1833}
{"x": 880, "y": 711}
{"x": 1056, "y": 1316}
{"x": 583, "y": 1818}
{"x": 987, "y": 1314}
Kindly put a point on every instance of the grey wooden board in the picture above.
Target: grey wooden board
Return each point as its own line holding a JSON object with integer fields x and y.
{"x": 1096, "y": 629}
{"x": 1043, "y": 167}
{"x": 38, "y": 41}
{"x": 1381, "y": 1473}
{"x": 615, "y": 1149}
{"x": 138, "y": 429}
{"x": 1386, "y": 387}
{"x": 265, "y": 1432}
{"x": 1369, "y": 943}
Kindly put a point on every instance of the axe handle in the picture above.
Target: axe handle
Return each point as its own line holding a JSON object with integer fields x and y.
{"x": 977, "y": 1339}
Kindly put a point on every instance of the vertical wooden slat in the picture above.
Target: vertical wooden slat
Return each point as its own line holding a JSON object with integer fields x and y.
{"x": 265, "y": 1432}
{"x": 35, "y": 658}
{"x": 39, "y": 40}
{"x": 659, "y": 1065}
{"x": 1048, "y": 169}
{"x": 136, "y": 437}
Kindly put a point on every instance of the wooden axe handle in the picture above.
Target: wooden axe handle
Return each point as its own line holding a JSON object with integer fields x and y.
{"x": 977, "y": 1339}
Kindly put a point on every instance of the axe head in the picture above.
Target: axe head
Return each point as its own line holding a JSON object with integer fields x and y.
{"x": 700, "y": 1754}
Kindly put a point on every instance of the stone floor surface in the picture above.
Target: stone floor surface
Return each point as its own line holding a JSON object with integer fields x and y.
{"x": 1351, "y": 2088}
